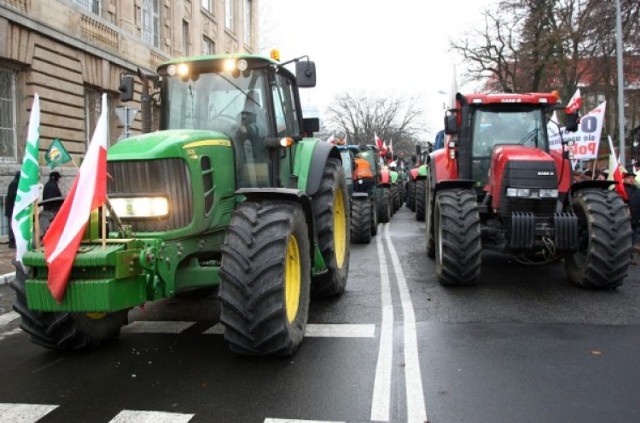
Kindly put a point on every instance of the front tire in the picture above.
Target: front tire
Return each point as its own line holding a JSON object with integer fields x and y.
{"x": 333, "y": 230}
{"x": 605, "y": 246}
{"x": 361, "y": 221}
{"x": 457, "y": 237}
{"x": 64, "y": 331}
{"x": 420, "y": 199}
{"x": 265, "y": 278}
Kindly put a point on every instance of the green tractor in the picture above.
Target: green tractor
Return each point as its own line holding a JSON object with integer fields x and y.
{"x": 229, "y": 194}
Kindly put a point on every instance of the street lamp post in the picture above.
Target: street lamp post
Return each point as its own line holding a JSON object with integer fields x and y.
{"x": 620, "y": 81}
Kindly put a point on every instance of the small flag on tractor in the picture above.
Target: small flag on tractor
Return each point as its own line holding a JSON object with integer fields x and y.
{"x": 56, "y": 155}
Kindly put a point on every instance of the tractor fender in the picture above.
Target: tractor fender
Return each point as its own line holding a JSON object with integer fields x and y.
{"x": 582, "y": 185}
{"x": 321, "y": 153}
{"x": 453, "y": 183}
{"x": 257, "y": 194}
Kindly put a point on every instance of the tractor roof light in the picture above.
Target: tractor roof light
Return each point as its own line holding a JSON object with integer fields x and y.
{"x": 229, "y": 65}
{"x": 477, "y": 101}
{"x": 275, "y": 55}
{"x": 183, "y": 69}
{"x": 542, "y": 100}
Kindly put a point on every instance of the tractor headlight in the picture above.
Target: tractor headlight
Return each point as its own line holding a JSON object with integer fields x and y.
{"x": 140, "y": 207}
{"x": 548, "y": 193}
{"x": 518, "y": 192}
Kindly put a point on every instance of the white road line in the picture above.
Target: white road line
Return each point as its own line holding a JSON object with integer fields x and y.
{"x": 157, "y": 327}
{"x": 270, "y": 420}
{"x": 380, "y": 404}
{"x": 320, "y": 330}
{"x": 24, "y": 413}
{"x": 9, "y": 317}
{"x": 9, "y": 333}
{"x": 416, "y": 411}
{"x": 132, "y": 416}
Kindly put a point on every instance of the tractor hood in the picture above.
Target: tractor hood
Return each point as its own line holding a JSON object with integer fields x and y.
{"x": 164, "y": 144}
{"x": 519, "y": 167}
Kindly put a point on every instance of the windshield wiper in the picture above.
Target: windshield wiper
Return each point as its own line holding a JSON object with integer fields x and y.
{"x": 531, "y": 135}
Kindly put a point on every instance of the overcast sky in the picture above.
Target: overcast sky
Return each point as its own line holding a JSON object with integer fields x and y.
{"x": 375, "y": 47}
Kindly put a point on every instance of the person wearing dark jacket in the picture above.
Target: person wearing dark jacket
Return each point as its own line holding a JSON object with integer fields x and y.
{"x": 633, "y": 202}
{"x": 12, "y": 192}
{"x": 52, "y": 190}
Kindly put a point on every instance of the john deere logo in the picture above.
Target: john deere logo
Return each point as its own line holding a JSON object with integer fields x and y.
{"x": 55, "y": 154}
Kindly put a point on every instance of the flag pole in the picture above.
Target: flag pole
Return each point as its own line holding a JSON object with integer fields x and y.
{"x": 104, "y": 226}
{"x": 112, "y": 213}
{"x": 36, "y": 224}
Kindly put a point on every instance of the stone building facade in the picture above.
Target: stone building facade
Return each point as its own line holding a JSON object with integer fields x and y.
{"x": 69, "y": 52}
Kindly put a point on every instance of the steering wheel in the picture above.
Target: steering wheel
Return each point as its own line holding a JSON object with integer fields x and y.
{"x": 224, "y": 123}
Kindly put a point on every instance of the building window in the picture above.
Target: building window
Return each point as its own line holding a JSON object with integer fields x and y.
{"x": 151, "y": 22}
{"x": 208, "y": 46}
{"x": 185, "y": 37}
{"x": 229, "y": 20}
{"x": 248, "y": 21}
{"x": 7, "y": 116}
{"x": 92, "y": 6}
{"x": 208, "y": 5}
{"x": 92, "y": 110}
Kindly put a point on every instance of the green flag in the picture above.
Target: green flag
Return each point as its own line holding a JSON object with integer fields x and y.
{"x": 56, "y": 155}
{"x": 28, "y": 187}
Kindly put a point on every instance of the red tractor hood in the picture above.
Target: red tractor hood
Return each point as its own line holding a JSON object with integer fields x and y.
{"x": 503, "y": 154}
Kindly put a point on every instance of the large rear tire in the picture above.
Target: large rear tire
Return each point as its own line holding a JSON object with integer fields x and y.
{"x": 384, "y": 206}
{"x": 333, "y": 231}
{"x": 361, "y": 221}
{"x": 457, "y": 237}
{"x": 420, "y": 199}
{"x": 428, "y": 221}
{"x": 604, "y": 253}
{"x": 63, "y": 331}
{"x": 265, "y": 278}
{"x": 374, "y": 217}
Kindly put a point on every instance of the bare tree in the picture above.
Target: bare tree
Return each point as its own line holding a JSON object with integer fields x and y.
{"x": 361, "y": 117}
{"x": 535, "y": 45}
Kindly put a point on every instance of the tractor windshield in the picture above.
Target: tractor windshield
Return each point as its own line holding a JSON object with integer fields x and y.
{"x": 520, "y": 125}
{"x": 216, "y": 101}
{"x": 493, "y": 127}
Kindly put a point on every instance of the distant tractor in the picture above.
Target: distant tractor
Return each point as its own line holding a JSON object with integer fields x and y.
{"x": 229, "y": 194}
{"x": 364, "y": 213}
{"x": 497, "y": 185}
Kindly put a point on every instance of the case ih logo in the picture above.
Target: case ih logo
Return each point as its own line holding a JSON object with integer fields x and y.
{"x": 511, "y": 100}
{"x": 546, "y": 173}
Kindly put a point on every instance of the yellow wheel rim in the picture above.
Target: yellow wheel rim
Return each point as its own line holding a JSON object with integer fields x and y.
{"x": 292, "y": 279}
{"x": 96, "y": 316}
{"x": 339, "y": 228}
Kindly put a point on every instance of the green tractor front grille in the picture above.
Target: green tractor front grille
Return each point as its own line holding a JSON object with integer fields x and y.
{"x": 169, "y": 177}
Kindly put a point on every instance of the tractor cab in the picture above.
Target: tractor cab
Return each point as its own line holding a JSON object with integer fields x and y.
{"x": 250, "y": 100}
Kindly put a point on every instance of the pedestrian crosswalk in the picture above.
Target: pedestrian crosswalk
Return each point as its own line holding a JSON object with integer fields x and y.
{"x": 32, "y": 413}
{"x": 177, "y": 327}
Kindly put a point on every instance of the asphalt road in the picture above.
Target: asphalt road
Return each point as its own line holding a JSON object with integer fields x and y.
{"x": 522, "y": 346}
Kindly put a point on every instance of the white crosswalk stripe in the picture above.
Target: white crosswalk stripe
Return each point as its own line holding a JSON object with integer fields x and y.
{"x": 24, "y": 413}
{"x": 157, "y": 327}
{"x": 268, "y": 420}
{"x": 132, "y": 416}
{"x": 320, "y": 330}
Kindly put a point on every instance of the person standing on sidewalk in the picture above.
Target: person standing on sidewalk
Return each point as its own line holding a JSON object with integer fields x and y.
{"x": 633, "y": 202}
{"x": 12, "y": 192}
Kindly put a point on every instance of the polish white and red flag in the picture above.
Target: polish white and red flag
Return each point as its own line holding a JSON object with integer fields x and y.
{"x": 573, "y": 106}
{"x": 382, "y": 147}
{"x": 88, "y": 192}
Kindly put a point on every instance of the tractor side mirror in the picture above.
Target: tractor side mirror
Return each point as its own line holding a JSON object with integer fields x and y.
{"x": 310, "y": 125}
{"x": 126, "y": 88}
{"x": 450, "y": 124}
{"x": 571, "y": 122}
{"x": 306, "y": 74}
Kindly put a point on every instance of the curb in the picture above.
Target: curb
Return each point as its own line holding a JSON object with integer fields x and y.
{"x": 7, "y": 278}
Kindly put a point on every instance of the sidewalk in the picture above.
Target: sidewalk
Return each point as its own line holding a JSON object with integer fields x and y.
{"x": 7, "y": 270}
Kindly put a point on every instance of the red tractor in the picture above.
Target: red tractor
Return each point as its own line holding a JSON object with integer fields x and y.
{"x": 497, "y": 185}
